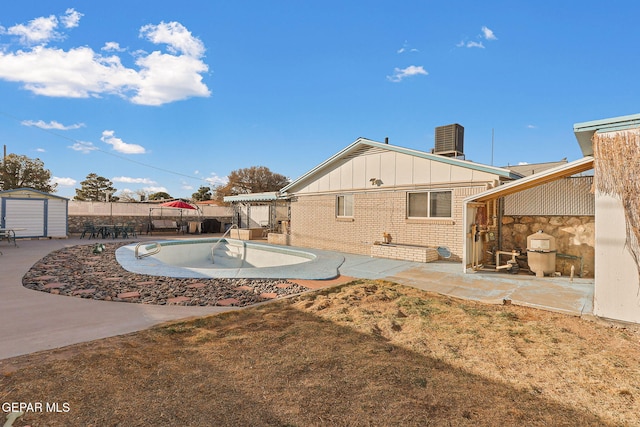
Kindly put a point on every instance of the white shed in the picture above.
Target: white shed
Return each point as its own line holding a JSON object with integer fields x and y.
{"x": 34, "y": 214}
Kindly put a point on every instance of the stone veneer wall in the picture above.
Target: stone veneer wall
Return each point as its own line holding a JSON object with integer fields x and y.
{"x": 575, "y": 235}
{"x": 76, "y": 222}
{"x": 314, "y": 223}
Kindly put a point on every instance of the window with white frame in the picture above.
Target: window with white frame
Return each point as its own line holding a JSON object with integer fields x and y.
{"x": 429, "y": 204}
{"x": 344, "y": 205}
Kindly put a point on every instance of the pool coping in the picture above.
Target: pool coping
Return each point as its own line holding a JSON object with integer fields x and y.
{"x": 321, "y": 266}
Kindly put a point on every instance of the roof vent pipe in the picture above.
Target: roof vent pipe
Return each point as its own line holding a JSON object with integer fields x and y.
{"x": 386, "y": 139}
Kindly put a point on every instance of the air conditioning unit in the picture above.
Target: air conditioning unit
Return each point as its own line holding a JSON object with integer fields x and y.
{"x": 449, "y": 140}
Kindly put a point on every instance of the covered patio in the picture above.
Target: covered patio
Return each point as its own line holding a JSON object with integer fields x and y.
{"x": 484, "y": 221}
{"x": 258, "y": 215}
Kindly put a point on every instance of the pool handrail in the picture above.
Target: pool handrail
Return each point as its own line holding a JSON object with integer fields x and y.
{"x": 219, "y": 242}
{"x": 153, "y": 250}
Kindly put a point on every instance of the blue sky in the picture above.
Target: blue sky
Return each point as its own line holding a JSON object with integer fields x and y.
{"x": 169, "y": 96}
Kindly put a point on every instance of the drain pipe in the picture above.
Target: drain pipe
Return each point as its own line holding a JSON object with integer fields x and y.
{"x": 499, "y": 202}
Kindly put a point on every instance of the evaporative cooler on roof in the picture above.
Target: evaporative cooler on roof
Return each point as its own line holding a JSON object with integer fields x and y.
{"x": 449, "y": 140}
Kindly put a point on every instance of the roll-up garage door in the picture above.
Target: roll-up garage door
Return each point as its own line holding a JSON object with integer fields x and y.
{"x": 27, "y": 214}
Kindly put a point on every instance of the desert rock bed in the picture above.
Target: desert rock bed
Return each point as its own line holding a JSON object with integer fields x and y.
{"x": 76, "y": 271}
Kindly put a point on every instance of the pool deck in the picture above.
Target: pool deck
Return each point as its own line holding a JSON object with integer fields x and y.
{"x": 558, "y": 294}
{"x": 37, "y": 321}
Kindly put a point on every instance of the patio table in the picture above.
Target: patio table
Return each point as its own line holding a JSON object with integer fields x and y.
{"x": 10, "y": 234}
{"x": 105, "y": 230}
{"x": 113, "y": 230}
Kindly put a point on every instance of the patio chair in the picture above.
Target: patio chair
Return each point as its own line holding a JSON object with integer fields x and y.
{"x": 9, "y": 235}
{"x": 119, "y": 230}
{"x": 130, "y": 230}
{"x": 89, "y": 228}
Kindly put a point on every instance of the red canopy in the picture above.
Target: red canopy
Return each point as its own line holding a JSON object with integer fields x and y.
{"x": 177, "y": 204}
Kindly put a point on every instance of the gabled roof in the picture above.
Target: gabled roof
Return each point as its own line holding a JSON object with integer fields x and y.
{"x": 531, "y": 168}
{"x": 31, "y": 190}
{"x": 358, "y": 144}
{"x": 584, "y": 131}
{"x": 534, "y": 180}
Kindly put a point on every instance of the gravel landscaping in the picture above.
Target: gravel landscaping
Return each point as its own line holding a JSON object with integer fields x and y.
{"x": 78, "y": 272}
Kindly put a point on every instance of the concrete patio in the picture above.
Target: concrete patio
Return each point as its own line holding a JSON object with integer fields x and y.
{"x": 36, "y": 321}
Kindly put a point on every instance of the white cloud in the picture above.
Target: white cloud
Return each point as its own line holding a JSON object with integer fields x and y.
{"x": 412, "y": 70}
{"x": 77, "y": 73}
{"x": 167, "y": 78}
{"x": 80, "y": 72}
{"x": 405, "y": 48}
{"x": 108, "y": 137}
{"x": 176, "y": 36}
{"x": 532, "y": 127}
{"x": 152, "y": 189}
{"x": 43, "y": 29}
{"x": 64, "y": 182}
{"x": 186, "y": 187}
{"x": 130, "y": 180}
{"x": 488, "y": 34}
{"x": 83, "y": 147}
{"x": 215, "y": 180}
{"x": 41, "y": 150}
{"x": 71, "y": 18}
{"x": 475, "y": 44}
{"x": 112, "y": 47}
{"x": 522, "y": 163}
{"x": 36, "y": 31}
{"x": 51, "y": 125}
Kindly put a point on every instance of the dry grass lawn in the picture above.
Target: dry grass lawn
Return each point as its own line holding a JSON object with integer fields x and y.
{"x": 370, "y": 353}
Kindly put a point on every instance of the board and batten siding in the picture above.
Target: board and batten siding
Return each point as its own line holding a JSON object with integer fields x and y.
{"x": 390, "y": 169}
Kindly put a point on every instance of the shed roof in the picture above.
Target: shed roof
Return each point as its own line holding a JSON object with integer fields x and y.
{"x": 534, "y": 180}
{"x": 30, "y": 190}
{"x": 351, "y": 149}
{"x": 584, "y": 131}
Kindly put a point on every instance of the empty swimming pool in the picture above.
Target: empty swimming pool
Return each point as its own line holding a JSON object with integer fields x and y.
{"x": 228, "y": 258}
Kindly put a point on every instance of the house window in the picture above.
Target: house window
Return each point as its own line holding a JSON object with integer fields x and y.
{"x": 429, "y": 204}
{"x": 344, "y": 206}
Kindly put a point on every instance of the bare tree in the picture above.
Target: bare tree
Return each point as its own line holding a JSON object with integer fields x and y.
{"x": 256, "y": 179}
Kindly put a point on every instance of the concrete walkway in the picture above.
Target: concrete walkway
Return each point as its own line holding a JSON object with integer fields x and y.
{"x": 558, "y": 294}
{"x": 36, "y": 321}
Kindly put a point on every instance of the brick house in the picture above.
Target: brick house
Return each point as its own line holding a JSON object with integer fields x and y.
{"x": 372, "y": 191}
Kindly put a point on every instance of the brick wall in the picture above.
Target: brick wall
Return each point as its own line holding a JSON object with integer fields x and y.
{"x": 314, "y": 224}
{"x": 404, "y": 252}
